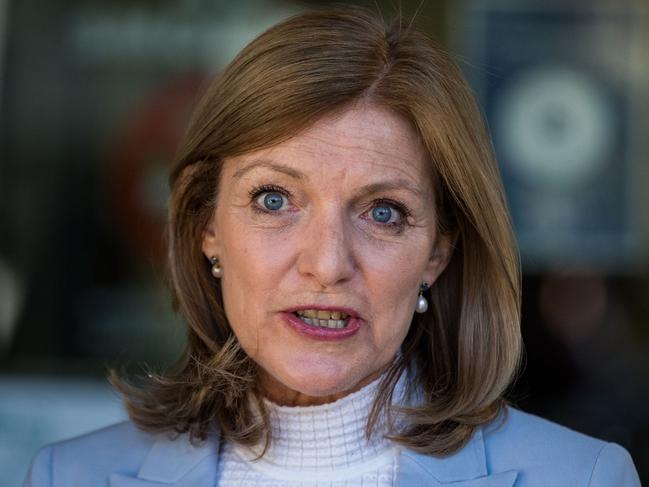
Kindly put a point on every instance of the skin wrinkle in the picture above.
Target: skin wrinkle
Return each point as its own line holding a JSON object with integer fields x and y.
{"x": 321, "y": 252}
{"x": 365, "y": 192}
{"x": 394, "y": 183}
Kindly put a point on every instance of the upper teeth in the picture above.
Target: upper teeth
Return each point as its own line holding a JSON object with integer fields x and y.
{"x": 322, "y": 315}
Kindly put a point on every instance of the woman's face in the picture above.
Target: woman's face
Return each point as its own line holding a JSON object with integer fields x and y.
{"x": 338, "y": 221}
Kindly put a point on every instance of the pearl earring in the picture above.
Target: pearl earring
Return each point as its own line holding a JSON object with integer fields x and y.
{"x": 217, "y": 270}
{"x": 422, "y": 303}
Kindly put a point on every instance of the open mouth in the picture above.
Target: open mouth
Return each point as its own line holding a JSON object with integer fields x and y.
{"x": 323, "y": 319}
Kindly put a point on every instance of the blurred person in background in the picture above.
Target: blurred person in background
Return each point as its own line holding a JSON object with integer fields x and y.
{"x": 340, "y": 248}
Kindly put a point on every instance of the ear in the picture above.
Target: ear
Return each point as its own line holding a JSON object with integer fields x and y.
{"x": 440, "y": 257}
{"x": 211, "y": 244}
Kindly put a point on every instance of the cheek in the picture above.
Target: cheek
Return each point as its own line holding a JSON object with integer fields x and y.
{"x": 393, "y": 281}
{"x": 395, "y": 274}
{"x": 252, "y": 271}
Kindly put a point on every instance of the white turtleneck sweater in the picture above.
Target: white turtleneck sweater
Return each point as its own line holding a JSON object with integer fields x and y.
{"x": 324, "y": 445}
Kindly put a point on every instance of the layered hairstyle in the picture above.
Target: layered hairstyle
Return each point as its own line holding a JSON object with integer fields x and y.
{"x": 464, "y": 351}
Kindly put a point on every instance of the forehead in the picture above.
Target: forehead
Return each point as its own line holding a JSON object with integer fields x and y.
{"x": 364, "y": 140}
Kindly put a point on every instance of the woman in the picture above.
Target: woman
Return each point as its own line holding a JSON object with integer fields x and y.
{"x": 341, "y": 252}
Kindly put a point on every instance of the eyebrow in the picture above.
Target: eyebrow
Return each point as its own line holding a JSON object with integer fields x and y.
{"x": 396, "y": 184}
{"x": 289, "y": 171}
{"x": 370, "y": 189}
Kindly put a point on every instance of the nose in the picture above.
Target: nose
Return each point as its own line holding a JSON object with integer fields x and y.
{"x": 326, "y": 252}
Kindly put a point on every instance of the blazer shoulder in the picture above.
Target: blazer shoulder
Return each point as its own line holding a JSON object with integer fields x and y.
{"x": 542, "y": 449}
{"x": 86, "y": 459}
{"x": 614, "y": 466}
{"x": 518, "y": 425}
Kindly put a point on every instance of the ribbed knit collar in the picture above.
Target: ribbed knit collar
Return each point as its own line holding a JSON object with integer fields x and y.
{"x": 326, "y": 437}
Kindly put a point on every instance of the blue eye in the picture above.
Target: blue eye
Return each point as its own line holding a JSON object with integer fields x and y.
{"x": 269, "y": 198}
{"x": 388, "y": 214}
{"x": 273, "y": 201}
{"x": 382, "y": 214}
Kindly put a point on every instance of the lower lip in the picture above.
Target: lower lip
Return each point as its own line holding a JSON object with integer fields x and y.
{"x": 322, "y": 333}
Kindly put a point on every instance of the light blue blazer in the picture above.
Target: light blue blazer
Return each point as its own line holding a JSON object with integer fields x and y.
{"x": 525, "y": 451}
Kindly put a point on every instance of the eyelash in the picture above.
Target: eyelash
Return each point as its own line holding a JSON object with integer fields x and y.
{"x": 404, "y": 211}
{"x": 255, "y": 192}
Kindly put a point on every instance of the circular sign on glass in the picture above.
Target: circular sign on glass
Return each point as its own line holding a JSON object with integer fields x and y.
{"x": 553, "y": 126}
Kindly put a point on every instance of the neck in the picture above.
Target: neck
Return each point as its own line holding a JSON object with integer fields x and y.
{"x": 282, "y": 395}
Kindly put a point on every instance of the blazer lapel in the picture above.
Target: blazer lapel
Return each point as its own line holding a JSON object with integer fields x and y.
{"x": 465, "y": 468}
{"x": 174, "y": 462}
{"x": 179, "y": 463}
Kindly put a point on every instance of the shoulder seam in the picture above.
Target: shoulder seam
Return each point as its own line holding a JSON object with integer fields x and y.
{"x": 599, "y": 454}
{"x": 50, "y": 461}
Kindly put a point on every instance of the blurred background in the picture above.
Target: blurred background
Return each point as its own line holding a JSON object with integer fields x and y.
{"x": 95, "y": 96}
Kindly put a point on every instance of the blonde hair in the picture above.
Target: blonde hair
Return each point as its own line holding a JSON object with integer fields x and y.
{"x": 465, "y": 350}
